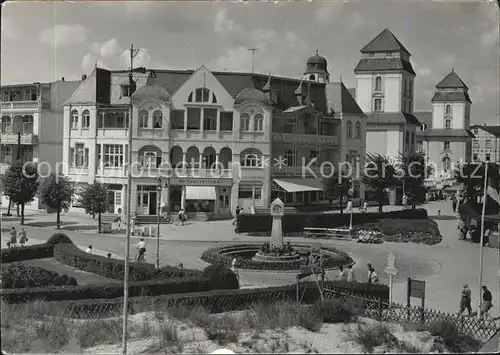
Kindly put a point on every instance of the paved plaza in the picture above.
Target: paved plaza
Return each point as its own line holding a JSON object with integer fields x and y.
{"x": 444, "y": 267}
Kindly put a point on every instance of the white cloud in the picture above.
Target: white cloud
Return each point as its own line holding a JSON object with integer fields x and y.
{"x": 238, "y": 59}
{"x": 89, "y": 61}
{"x": 64, "y": 35}
{"x": 110, "y": 48}
{"x": 223, "y": 24}
{"x": 141, "y": 60}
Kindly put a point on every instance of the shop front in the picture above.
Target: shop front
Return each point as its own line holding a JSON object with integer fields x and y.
{"x": 200, "y": 197}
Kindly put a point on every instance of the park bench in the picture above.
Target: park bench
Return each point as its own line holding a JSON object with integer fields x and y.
{"x": 333, "y": 233}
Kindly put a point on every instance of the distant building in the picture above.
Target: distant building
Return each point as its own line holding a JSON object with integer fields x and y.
{"x": 486, "y": 144}
{"x": 35, "y": 111}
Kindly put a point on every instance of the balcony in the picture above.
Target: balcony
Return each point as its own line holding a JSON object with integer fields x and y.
{"x": 21, "y": 105}
{"x": 26, "y": 138}
{"x": 305, "y": 139}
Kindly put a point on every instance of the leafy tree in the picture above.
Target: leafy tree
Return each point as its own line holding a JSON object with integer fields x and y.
{"x": 57, "y": 193}
{"x": 337, "y": 186}
{"x": 471, "y": 176}
{"x": 380, "y": 175}
{"x": 95, "y": 199}
{"x": 413, "y": 170}
{"x": 21, "y": 184}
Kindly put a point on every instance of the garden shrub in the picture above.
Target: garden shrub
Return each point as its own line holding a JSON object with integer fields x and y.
{"x": 59, "y": 238}
{"x": 21, "y": 276}
{"x": 38, "y": 251}
{"x": 221, "y": 277}
{"x": 336, "y": 310}
{"x": 454, "y": 340}
{"x": 71, "y": 281}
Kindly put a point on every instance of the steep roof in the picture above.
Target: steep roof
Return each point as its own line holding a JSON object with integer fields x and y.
{"x": 495, "y": 130}
{"x": 445, "y": 133}
{"x": 384, "y": 42}
{"x": 339, "y": 99}
{"x": 94, "y": 89}
{"x": 383, "y": 64}
{"x": 451, "y": 81}
{"x": 425, "y": 117}
{"x": 447, "y": 96}
{"x": 392, "y": 118}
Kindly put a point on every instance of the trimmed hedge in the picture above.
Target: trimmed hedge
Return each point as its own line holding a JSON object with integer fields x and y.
{"x": 71, "y": 255}
{"x": 296, "y": 222}
{"x": 59, "y": 238}
{"x": 70, "y": 293}
{"x": 20, "y": 276}
{"x": 38, "y": 251}
{"x": 221, "y": 277}
{"x": 215, "y": 256}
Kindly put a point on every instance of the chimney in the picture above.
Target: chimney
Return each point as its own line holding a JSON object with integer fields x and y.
{"x": 62, "y": 79}
{"x": 84, "y": 76}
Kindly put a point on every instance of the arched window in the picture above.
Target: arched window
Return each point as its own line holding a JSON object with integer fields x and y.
{"x": 446, "y": 164}
{"x": 150, "y": 156}
{"x": 245, "y": 122}
{"x": 6, "y": 124}
{"x": 190, "y": 97}
{"x": 378, "y": 83}
{"x": 27, "y": 124}
{"x": 201, "y": 95}
{"x": 258, "y": 123}
{"x": 157, "y": 119}
{"x": 312, "y": 77}
{"x": 251, "y": 157}
{"x": 143, "y": 119}
{"x": 86, "y": 119}
{"x": 74, "y": 119}
{"x": 349, "y": 129}
{"x": 448, "y": 109}
{"x": 447, "y": 123}
{"x": 357, "y": 130}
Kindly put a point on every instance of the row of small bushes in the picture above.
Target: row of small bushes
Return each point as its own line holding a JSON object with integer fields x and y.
{"x": 252, "y": 223}
{"x": 21, "y": 276}
{"x": 37, "y": 251}
{"x": 225, "y": 255}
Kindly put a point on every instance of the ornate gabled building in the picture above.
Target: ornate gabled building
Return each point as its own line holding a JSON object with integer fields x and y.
{"x": 220, "y": 139}
{"x": 486, "y": 144}
{"x": 448, "y": 140}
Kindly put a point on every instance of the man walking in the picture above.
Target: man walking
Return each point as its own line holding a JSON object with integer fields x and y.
{"x": 141, "y": 248}
{"x": 343, "y": 276}
{"x": 22, "y": 237}
{"x": 238, "y": 210}
{"x": 13, "y": 237}
{"x": 487, "y": 302}
{"x": 350, "y": 274}
{"x": 465, "y": 300}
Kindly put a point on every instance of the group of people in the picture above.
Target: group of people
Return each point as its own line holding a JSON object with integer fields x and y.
{"x": 474, "y": 231}
{"x": 14, "y": 234}
{"x": 349, "y": 275}
{"x": 465, "y": 301}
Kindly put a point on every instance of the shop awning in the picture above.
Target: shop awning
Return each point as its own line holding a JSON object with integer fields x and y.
{"x": 200, "y": 193}
{"x": 300, "y": 185}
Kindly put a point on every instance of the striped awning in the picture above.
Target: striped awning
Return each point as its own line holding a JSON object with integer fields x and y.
{"x": 200, "y": 193}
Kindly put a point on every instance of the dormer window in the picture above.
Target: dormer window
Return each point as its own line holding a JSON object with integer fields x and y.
{"x": 447, "y": 109}
{"x": 378, "y": 83}
{"x": 127, "y": 90}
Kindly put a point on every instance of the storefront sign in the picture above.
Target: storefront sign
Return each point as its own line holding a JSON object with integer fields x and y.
{"x": 201, "y": 182}
{"x": 252, "y": 178}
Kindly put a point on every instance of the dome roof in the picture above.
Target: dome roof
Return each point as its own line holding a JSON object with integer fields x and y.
{"x": 251, "y": 94}
{"x": 317, "y": 59}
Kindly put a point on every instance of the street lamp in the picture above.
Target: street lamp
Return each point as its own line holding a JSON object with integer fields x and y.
{"x": 159, "y": 189}
{"x": 351, "y": 195}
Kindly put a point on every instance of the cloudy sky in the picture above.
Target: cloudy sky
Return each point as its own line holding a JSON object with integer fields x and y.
{"x": 47, "y": 41}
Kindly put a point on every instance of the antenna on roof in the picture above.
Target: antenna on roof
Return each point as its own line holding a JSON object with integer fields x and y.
{"x": 95, "y": 64}
{"x": 340, "y": 77}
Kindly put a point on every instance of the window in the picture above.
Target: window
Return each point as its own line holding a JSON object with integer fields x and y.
{"x": 447, "y": 123}
{"x": 349, "y": 129}
{"x": 446, "y": 164}
{"x": 214, "y": 98}
{"x": 378, "y": 83}
{"x": 413, "y": 138}
{"x": 210, "y": 119}
{"x": 30, "y": 95}
{"x": 246, "y": 191}
{"x": 475, "y": 144}
{"x": 27, "y": 124}
{"x": 448, "y": 110}
{"x": 446, "y": 145}
{"x": 190, "y": 97}
{"x": 74, "y": 120}
{"x": 388, "y": 54}
{"x": 113, "y": 155}
{"x": 157, "y": 119}
{"x": 313, "y": 154}
{"x": 487, "y": 157}
{"x": 193, "y": 119}
{"x": 86, "y": 119}
{"x": 312, "y": 77}
{"x": 6, "y": 155}
{"x": 251, "y": 158}
{"x": 226, "y": 121}
{"x": 258, "y": 123}
{"x": 112, "y": 120}
{"x": 410, "y": 89}
{"x": 202, "y": 95}
{"x": 143, "y": 119}
{"x": 177, "y": 119}
{"x": 474, "y": 157}
{"x": 79, "y": 156}
{"x": 378, "y": 105}
{"x": 6, "y": 124}
{"x": 150, "y": 159}
{"x": 127, "y": 90}
{"x": 357, "y": 130}
{"x": 289, "y": 157}
{"x": 488, "y": 143}
{"x": 245, "y": 122}
{"x": 475, "y": 131}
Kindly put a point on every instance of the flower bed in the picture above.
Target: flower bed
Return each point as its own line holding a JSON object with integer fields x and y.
{"x": 369, "y": 236}
{"x": 20, "y": 276}
{"x": 225, "y": 255}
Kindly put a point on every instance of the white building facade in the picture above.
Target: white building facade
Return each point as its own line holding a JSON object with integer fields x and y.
{"x": 486, "y": 144}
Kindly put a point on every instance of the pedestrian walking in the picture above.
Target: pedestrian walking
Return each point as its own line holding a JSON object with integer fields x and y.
{"x": 233, "y": 268}
{"x": 372, "y": 276}
{"x": 141, "y": 250}
{"x": 89, "y": 249}
{"x": 486, "y": 237}
{"x": 120, "y": 220}
{"x": 13, "y": 237}
{"x": 22, "y": 237}
{"x": 181, "y": 217}
{"x": 342, "y": 275}
{"x": 454, "y": 203}
{"x": 487, "y": 302}
{"x": 351, "y": 277}
{"x": 238, "y": 210}
{"x": 465, "y": 300}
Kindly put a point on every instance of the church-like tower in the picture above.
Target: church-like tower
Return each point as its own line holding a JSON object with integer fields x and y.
{"x": 316, "y": 69}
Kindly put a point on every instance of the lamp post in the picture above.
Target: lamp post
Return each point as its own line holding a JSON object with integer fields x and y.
{"x": 351, "y": 195}
{"x": 159, "y": 189}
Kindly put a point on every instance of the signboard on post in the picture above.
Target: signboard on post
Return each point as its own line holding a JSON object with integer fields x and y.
{"x": 416, "y": 289}
{"x": 391, "y": 271}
